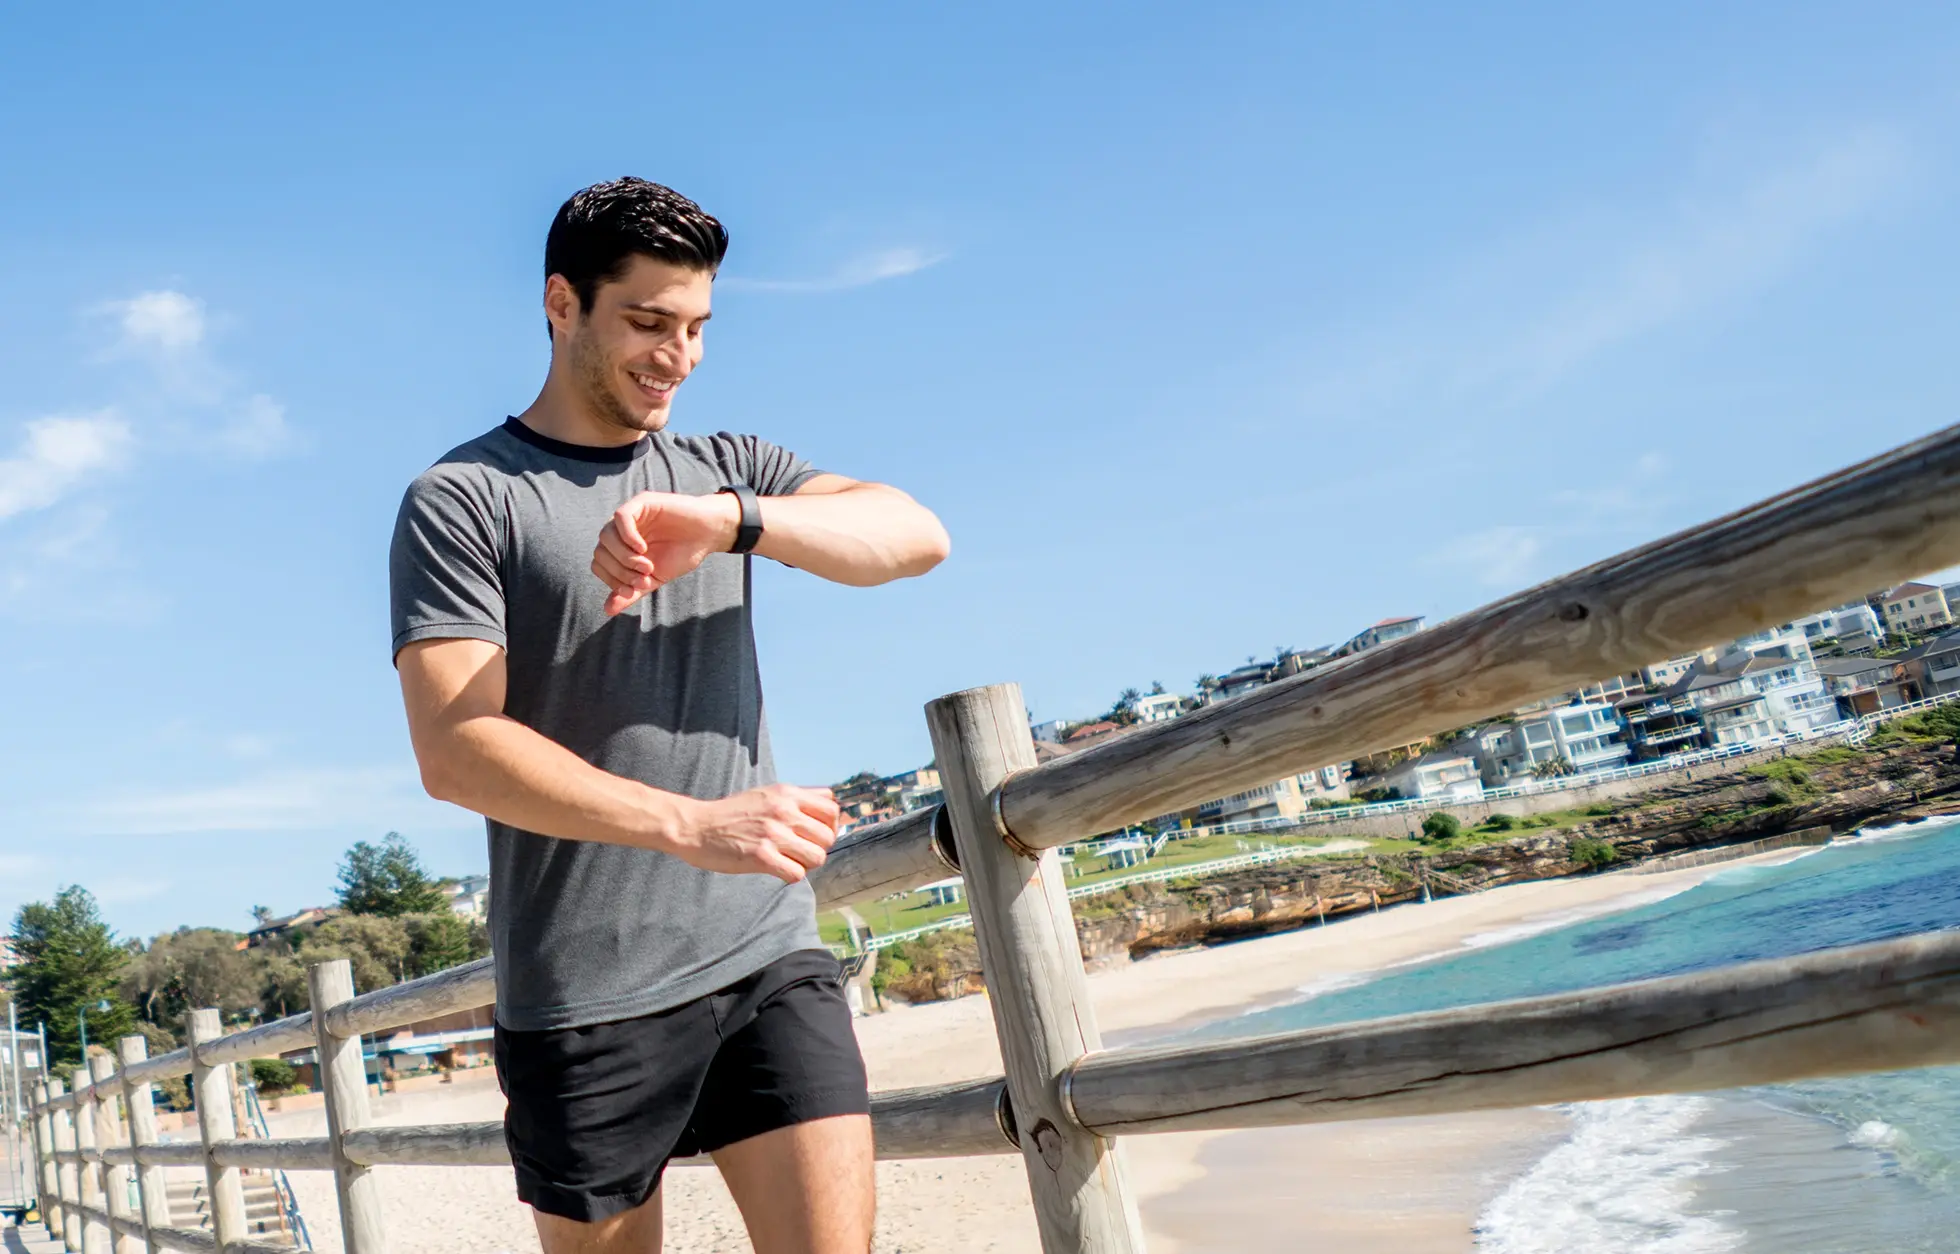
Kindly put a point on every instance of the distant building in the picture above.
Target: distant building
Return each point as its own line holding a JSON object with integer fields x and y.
{"x": 1089, "y": 732}
{"x": 273, "y": 929}
{"x": 1443, "y": 775}
{"x": 1158, "y": 707}
{"x": 470, "y": 896}
{"x": 1660, "y": 723}
{"x": 1049, "y": 732}
{"x": 1381, "y": 633}
{"x": 1864, "y": 685}
{"x": 1916, "y": 607}
{"x": 9, "y": 957}
{"x": 1850, "y": 619}
{"x": 1611, "y": 690}
{"x": 1241, "y": 680}
{"x": 1662, "y": 674}
{"x": 1934, "y": 667}
{"x": 1586, "y": 735}
{"x": 1293, "y": 661}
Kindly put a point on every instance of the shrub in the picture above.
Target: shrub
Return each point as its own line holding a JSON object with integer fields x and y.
{"x": 1501, "y": 822}
{"x": 273, "y": 1077}
{"x": 1593, "y": 854}
{"x": 1441, "y": 827}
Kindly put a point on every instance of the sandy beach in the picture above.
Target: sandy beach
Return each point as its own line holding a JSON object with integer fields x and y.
{"x": 1412, "y": 1186}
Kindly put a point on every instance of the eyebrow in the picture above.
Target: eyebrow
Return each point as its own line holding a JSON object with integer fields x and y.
{"x": 662, "y": 310}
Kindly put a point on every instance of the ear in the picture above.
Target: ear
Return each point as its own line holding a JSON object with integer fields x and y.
{"x": 561, "y": 307}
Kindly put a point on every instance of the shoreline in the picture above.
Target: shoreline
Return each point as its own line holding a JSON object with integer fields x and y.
{"x": 1408, "y": 1185}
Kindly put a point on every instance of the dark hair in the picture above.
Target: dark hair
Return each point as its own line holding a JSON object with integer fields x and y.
{"x": 600, "y": 230}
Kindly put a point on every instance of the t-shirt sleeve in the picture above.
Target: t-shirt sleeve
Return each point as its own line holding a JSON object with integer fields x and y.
{"x": 444, "y": 579}
{"x": 768, "y": 468}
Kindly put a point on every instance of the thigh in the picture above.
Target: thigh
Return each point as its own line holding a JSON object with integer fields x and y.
{"x": 595, "y": 1112}
{"x": 636, "y": 1231}
{"x": 804, "y": 1189}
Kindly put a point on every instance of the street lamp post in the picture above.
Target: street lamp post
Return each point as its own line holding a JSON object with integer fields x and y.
{"x": 81, "y": 1018}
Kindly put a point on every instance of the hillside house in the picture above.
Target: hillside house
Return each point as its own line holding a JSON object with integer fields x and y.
{"x": 1933, "y": 668}
{"x": 1864, "y": 685}
{"x": 1158, "y": 707}
{"x": 1441, "y": 775}
{"x": 1916, "y": 607}
{"x": 1381, "y": 633}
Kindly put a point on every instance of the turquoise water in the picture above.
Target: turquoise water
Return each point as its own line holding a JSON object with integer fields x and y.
{"x": 1869, "y": 1165}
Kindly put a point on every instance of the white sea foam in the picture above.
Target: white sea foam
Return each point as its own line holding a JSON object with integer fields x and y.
{"x": 1876, "y": 1134}
{"x": 1333, "y": 984}
{"x": 1622, "y": 1183}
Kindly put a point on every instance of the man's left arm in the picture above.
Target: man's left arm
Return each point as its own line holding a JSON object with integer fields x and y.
{"x": 836, "y": 528}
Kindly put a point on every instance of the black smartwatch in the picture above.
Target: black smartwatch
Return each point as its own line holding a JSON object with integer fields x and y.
{"x": 749, "y": 533}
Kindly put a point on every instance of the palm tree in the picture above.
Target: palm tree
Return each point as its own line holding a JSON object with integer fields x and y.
{"x": 1207, "y": 682}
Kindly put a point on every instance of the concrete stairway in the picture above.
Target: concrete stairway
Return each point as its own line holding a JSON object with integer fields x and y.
{"x": 190, "y": 1205}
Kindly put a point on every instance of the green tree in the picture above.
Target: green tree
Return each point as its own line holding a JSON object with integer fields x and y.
{"x": 437, "y": 942}
{"x": 1441, "y": 827}
{"x": 69, "y": 964}
{"x": 377, "y": 945}
{"x": 1552, "y": 768}
{"x": 1593, "y": 854}
{"x": 387, "y": 880}
{"x": 188, "y": 969}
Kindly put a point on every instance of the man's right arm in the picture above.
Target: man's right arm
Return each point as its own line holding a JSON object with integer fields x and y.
{"x": 474, "y": 755}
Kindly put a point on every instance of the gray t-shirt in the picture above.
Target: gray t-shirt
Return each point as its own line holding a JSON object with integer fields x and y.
{"x": 494, "y": 542}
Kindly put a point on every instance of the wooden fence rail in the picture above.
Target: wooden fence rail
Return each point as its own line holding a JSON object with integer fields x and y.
{"x": 1065, "y": 1102}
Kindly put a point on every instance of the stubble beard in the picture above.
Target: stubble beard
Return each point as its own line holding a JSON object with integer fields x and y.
{"x": 599, "y": 383}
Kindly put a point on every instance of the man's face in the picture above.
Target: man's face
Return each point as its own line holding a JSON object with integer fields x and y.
{"x": 638, "y": 342}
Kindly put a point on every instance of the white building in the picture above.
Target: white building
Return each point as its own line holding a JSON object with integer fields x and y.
{"x": 470, "y": 896}
{"x": 1439, "y": 776}
{"x": 1381, "y": 633}
{"x": 1586, "y": 735}
{"x": 1751, "y": 696}
{"x": 1839, "y": 622}
{"x": 1158, "y": 707}
{"x": 1050, "y": 731}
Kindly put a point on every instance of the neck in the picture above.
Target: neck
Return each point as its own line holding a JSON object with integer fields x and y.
{"x": 562, "y": 412}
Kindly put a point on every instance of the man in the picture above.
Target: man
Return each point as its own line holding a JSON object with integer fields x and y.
{"x": 661, "y": 990}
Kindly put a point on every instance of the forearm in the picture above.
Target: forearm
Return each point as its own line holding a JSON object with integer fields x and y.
{"x": 505, "y": 771}
{"x": 864, "y": 535}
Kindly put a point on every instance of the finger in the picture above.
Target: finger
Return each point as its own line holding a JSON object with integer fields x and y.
{"x": 619, "y": 577}
{"x": 819, "y": 805}
{"x": 788, "y": 870}
{"x": 619, "y": 602}
{"x": 816, "y": 831}
{"x": 626, "y": 519}
{"x": 610, "y": 542}
{"x": 808, "y": 853}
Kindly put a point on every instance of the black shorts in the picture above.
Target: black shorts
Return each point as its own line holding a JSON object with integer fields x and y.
{"x": 596, "y": 1112}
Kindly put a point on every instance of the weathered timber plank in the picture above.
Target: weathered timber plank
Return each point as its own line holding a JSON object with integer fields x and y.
{"x": 886, "y": 858}
{"x": 293, "y": 1154}
{"x": 268, "y": 1040}
{"x": 1035, "y": 982}
{"x": 1823, "y": 544}
{"x": 162, "y": 1067}
{"x": 943, "y": 1121}
{"x": 1878, "y": 1007}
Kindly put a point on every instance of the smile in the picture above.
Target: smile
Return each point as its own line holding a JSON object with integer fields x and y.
{"x": 659, "y": 387}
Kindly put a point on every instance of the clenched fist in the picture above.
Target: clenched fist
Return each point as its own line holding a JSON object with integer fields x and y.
{"x": 657, "y": 537}
{"x": 778, "y": 830}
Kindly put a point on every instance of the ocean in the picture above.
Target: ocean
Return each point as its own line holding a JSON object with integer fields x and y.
{"x": 1865, "y": 1165}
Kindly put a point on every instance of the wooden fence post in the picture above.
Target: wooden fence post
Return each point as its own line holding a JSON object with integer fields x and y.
{"x": 95, "y": 1234}
{"x": 217, "y": 1122}
{"x": 109, "y": 1132}
{"x": 1033, "y": 966}
{"x": 45, "y": 1146}
{"x": 151, "y": 1192}
{"x": 343, "y": 1082}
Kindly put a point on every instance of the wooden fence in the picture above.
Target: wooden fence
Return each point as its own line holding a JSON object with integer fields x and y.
{"x": 1064, "y": 1099}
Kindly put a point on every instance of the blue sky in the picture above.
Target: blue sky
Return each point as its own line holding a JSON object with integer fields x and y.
{"x": 1207, "y": 329}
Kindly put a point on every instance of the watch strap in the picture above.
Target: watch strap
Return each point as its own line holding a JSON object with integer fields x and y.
{"x": 748, "y": 533}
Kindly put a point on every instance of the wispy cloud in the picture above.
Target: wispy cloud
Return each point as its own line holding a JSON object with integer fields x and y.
{"x": 277, "y": 800}
{"x": 58, "y": 455}
{"x": 860, "y": 271}
{"x": 1496, "y": 557}
{"x": 165, "y": 321}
